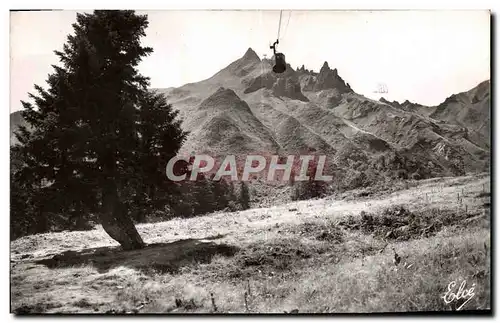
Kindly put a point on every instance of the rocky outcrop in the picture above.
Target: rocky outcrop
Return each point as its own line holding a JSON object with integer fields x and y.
{"x": 282, "y": 85}
{"x": 330, "y": 79}
{"x": 383, "y": 100}
{"x": 307, "y": 82}
{"x": 262, "y": 81}
{"x": 288, "y": 87}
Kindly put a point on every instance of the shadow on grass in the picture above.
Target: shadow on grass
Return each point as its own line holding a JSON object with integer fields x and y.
{"x": 161, "y": 257}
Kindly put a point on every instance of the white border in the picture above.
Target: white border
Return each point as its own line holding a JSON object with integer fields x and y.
{"x": 184, "y": 4}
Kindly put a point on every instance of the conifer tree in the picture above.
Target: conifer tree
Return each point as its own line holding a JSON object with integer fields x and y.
{"x": 99, "y": 139}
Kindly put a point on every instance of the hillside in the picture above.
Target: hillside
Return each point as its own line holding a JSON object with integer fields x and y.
{"x": 471, "y": 110}
{"x": 303, "y": 110}
{"x": 403, "y": 218}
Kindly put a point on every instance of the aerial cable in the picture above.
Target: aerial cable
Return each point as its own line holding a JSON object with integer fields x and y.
{"x": 288, "y": 21}
{"x": 279, "y": 58}
{"x": 279, "y": 26}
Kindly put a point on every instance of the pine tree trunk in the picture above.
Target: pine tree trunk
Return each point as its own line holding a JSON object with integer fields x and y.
{"x": 116, "y": 221}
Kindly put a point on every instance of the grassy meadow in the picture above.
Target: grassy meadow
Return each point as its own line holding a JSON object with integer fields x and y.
{"x": 333, "y": 255}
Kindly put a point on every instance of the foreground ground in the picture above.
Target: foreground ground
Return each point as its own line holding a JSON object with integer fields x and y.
{"x": 331, "y": 255}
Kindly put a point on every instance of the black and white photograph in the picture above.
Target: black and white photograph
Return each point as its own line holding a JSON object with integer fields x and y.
{"x": 271, "y": 161}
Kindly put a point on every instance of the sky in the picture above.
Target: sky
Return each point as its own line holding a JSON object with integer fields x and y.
{"x": 421, "y": 56}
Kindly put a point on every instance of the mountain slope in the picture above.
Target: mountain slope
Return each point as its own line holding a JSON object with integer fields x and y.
{"x": 16, "y": 120}
{"x": 470, "y": 110}
{"x": 224, "y": 124}
{"x": 246, "y": 108}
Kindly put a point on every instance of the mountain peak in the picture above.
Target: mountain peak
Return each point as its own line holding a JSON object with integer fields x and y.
{"x": 383, "y": 100}
{"x": 223, "y": 96}
{"x": 224, "y": 92}
{"x": 330, "y": 79}
{"x": 250, "y": 54}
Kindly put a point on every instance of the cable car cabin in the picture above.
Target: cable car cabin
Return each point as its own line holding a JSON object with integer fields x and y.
{"x": 279, "y": 59}
{"x": 280, "y": 63}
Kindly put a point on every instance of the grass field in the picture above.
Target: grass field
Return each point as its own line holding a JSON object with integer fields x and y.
{"x": 332, "y": 255}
